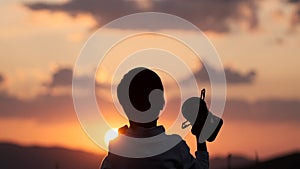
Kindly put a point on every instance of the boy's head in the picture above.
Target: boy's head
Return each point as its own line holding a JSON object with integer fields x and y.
{"x": 141, "y": 91}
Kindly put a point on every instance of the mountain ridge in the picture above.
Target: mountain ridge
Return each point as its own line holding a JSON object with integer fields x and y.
{"x": 14, "y": 156}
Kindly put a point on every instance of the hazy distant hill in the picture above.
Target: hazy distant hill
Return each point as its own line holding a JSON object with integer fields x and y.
{"x": 291, "y": 161}
{"x": 236, "y": 161}
{"x": 18, "y": 157}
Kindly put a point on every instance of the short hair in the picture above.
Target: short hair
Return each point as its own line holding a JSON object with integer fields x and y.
{"x": 137, "y": 84}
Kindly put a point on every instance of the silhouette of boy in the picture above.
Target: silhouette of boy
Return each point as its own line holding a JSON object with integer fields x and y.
{"x": 140, "y": 93}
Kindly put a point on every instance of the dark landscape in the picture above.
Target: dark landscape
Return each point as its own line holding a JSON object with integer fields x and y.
{"x": 13, "y": 156}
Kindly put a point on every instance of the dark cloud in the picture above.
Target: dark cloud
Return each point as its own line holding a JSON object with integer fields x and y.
{"x": 59, "y": 109}
{"x": 232, "y": 76}
{"x": 295, "y": 18}
{"x": 1, "y": 79}
{"x": 293, "y": 1}
{"x": 62, "y": 77}
{"x": 272, "y": 110}
{"x": 44, "y": 108}
{"x": 210, "y": 15}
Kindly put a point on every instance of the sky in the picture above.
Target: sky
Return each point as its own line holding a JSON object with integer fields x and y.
{"x": 257, "y": 41}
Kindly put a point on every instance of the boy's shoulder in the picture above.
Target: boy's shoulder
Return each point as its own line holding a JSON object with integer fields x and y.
{"x": 133, "y": 147}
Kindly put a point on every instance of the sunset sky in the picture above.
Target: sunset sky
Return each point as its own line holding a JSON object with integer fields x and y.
{"x": 257, "y": 41}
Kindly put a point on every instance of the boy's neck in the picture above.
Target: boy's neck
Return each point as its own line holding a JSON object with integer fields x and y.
{"x": 145, "y": 125}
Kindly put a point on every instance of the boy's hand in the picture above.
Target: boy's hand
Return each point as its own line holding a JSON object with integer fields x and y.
{"x": 201, "y": 146}
{"x": 200, "y": 120}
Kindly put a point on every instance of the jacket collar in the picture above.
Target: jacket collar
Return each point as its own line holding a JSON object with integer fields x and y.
{"x": 142, "y": 132}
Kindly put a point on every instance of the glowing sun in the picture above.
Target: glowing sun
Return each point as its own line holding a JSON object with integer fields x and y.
{"x": 110, "y": 135}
